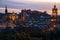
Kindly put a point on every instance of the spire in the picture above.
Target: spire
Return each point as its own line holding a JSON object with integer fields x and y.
{"x": 6, "y": 11}
{"x": 54, "y": 6}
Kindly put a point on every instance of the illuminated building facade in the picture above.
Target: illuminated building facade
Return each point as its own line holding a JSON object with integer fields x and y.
{"x": 54, "y": 17}
{"x": 54, "y": 11}
{"x": 13, "y": 16}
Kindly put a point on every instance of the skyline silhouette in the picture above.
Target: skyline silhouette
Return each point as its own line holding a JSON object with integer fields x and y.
{"x": 18, "y": 5}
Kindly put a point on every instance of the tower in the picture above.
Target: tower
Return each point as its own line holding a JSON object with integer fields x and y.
{"x": 54, "y": 17}
{"x": 23, "y": 15}
{"x": 6, "y": 11}
{"x": 54, "y": 12}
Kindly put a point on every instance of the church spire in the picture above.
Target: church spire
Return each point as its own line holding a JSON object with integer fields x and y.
{"x": 6, "y": 11}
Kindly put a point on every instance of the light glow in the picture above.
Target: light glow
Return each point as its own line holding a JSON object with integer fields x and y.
{"x": 47, "y": 1}
{"x": 10, "y": 10}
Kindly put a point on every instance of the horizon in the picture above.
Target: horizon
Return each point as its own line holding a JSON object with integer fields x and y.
{"x": 39, "y": 5}
{"x": 10, "y": 10}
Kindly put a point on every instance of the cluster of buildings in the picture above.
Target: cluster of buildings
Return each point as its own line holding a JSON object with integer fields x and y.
{"x": 28, "y": 18}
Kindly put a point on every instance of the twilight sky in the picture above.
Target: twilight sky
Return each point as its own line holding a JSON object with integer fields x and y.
{"x": 16, "y": 5}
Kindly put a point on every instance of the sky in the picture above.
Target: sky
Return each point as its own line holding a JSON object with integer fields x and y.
{"x": 17, "y": 5}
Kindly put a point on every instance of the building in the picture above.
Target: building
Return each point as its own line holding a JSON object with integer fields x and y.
{"x": 6, "y": 11}
{"x": 23, "y": 15}
{"x": 13, "y": 16}
{"x": 54, "y": 11}
{"x": 54, "y": 17}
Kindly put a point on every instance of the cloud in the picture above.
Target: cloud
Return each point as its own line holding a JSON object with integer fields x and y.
{"x": 10, "y": 10}
{"x": 27, "y": 4}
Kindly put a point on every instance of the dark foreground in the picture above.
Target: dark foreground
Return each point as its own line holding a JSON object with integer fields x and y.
{"x": 28, "y": 33}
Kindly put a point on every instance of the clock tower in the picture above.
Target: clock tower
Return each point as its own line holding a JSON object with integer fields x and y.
{"x": 54, "y": 17}
{"x": 54, "y": 12}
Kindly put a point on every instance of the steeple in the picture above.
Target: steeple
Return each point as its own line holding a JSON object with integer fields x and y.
{"x": 6, "y": 11}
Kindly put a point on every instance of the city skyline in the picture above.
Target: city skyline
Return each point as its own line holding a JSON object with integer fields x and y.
{"x": 18, "y": 5}
{"x": 29, "y": 19}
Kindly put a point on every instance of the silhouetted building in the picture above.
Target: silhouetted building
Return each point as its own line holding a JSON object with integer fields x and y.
{"x": 23, "y": 15}
{"x": 6, "y": 11}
